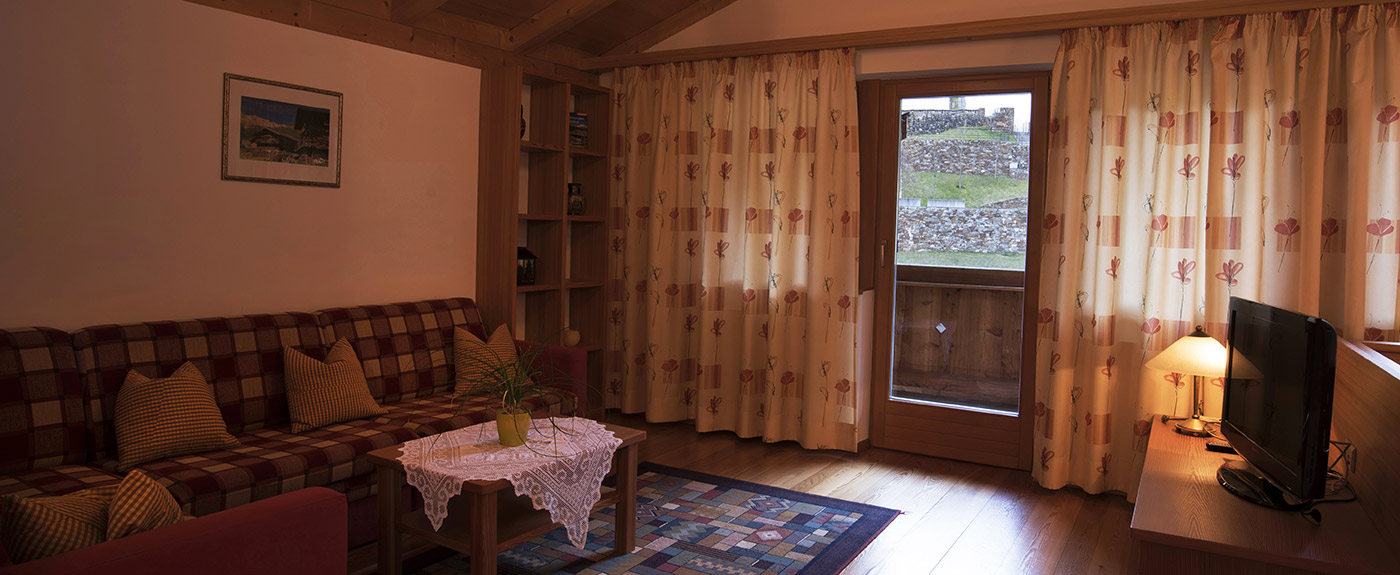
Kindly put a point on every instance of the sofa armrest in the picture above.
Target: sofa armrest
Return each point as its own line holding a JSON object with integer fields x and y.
{"x": 568, "y": 364}
{"x": 302, "y": 533}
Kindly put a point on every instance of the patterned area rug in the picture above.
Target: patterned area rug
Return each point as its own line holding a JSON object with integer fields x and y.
{"x": 692, "y": 523}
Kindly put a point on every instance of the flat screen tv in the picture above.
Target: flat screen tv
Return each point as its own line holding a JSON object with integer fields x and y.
{"x": 1278, "y": 404}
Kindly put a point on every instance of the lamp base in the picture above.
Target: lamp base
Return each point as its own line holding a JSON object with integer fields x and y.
{"x": 1193, "y": 427}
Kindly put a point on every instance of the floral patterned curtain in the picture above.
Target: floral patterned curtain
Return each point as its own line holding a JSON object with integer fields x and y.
{"x": 1193, "y": 161}
{"x": 735, "y": 198}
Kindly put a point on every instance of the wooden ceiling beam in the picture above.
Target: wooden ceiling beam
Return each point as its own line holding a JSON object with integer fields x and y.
{"x": 410, "y": 11}
{"x": 330, "y": 17}
{"x": 664, "y": 29}
{"x": 549, "y": 23}
{"x": 964, "y": 31}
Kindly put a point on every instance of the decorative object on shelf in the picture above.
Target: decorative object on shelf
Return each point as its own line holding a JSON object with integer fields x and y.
{"x": 578, "y": 130}
{"x": 522, "y": 122}
{"x": 280, "y": 133}
{"x": 1197, "y": 355}
{"x": 576, "y": 201}
{"x": 570, "y": 337}
{"x": 524, "y": 267}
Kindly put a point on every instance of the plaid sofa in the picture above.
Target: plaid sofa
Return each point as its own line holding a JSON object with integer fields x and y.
{"x": 66, "y": 390}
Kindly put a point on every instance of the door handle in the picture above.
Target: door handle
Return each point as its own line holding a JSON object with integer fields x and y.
{"x": 882, "y": 254}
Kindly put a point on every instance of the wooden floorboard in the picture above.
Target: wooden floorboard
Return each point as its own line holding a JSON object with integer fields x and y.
{"x": 958, "y": 517}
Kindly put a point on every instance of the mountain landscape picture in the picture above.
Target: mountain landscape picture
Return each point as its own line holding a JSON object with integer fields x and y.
{"x": 281, "y": 132}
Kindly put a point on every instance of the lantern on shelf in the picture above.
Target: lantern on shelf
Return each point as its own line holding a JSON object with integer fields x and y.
{"x": 524, "y": 267}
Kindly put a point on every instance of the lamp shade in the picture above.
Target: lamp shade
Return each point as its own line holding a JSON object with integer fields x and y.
{"x": 1195, "y": 354}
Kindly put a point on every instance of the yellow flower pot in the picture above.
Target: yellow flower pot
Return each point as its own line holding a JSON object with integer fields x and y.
{"x": 514, "y": 428}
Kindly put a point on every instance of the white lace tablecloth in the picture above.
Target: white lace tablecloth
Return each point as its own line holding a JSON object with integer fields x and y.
{"x": 560, "y": 468}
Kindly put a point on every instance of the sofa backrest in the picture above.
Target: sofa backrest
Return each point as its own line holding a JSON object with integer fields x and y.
{"x": 405, "y": 348}
{"x": 42, "y": 423}
{"x": 241, "y": 357}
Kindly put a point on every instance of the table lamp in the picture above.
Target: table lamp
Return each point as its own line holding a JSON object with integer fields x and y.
{"x": 1199, "y": 356}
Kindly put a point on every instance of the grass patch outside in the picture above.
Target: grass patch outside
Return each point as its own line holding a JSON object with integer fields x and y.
{"x": 963, "y": 260}
{"x": 969, "y": 133}
{"x": 977, "y": 191}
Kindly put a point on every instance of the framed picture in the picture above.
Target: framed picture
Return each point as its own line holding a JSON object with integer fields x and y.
{"x": 280, "y": 133}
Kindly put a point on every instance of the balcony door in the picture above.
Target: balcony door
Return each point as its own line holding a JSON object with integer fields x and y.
{"x": 960, "y": 178}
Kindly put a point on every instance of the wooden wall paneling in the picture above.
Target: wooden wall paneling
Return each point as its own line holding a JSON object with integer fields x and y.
{"x": 1365, "y": 411}
{"x": 543, "y": 313}
{"x": 688, "y": 16}
{"x": 463, "y": 28}
{"x": 545, "y": 239}
{"x": 1014, "y": 27}
{"x": 497, "y": 197}
{"x": 585, "y": 308}
{"x": 546, "y": 182}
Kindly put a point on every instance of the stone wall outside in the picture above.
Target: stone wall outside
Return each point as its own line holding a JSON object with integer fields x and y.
{"x": 981, "y": 230}
{"x": 977, "y": 157}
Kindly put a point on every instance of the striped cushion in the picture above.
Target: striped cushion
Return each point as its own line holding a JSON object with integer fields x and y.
{"x": 140, "y": 504}
{"x": 474, "y": 357}
{"x": 321, "y": 393}
{"x": 37, "y": 527}
{"x": 166, "y": 417}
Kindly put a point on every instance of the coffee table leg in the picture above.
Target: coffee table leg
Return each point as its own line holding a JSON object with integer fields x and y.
{"x": 484, "y": 537}
{"x": 626, "y": 467}
{"x": 390, "y": 489}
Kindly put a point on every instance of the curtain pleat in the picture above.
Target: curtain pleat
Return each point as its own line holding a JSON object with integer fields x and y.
{"x": 734, "y": 254}
{"x": 1193, "y": 161}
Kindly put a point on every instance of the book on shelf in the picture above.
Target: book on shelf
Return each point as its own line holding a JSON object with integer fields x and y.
{"x": 578, "y": 130}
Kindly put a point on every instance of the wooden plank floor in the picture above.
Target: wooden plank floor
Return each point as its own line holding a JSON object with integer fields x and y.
{"x": 959, "y": 518}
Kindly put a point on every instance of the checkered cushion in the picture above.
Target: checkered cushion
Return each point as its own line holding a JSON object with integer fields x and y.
{"x": 166, "y": 417}
{"x": 438, "y": 413}
{"x": 320, "y": 393}
{"x": 41, "y": 408}
{"x": 406, "y": 348}
{"x": 55, "y": 480}
{"x": 140, "y": 504}
{"x": 270, "y": 462}
{"x": 241, "y": 357}
{"x": 38, "y": 527}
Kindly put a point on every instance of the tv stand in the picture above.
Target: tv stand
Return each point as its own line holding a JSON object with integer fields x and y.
{"x": 1242, "y": 479}
{"x": 1185, "y": 522}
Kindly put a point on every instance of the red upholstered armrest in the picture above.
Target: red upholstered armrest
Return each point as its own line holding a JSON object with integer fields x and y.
{"x": 301, "y": 533}
{"x": 564, "y": 363}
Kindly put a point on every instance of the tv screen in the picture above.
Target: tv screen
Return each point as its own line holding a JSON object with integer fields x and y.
{"x": 1278, "y": 394}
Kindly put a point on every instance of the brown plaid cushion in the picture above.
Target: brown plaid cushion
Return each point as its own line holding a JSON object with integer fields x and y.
{"x": 37, "y": 527}
{"x": 158, "y": 418}
{"x": 140, "y": 504}
{"x": 241, "y": 357}
{"x": 273, "y": 461}
{"x": 474, "y": 357}
{"x": 321, "y": 393}
{"x": 406, "y": 347}
{"x": 55, "y": 480}
{"x": 41, "y": 404}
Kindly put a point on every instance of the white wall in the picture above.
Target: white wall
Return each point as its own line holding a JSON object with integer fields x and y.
{"x": 760, "y": 20}
{"x": 111, "y": 206}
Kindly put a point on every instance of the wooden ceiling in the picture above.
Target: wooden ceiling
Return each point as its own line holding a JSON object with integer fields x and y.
{"x": 573, "y": 37}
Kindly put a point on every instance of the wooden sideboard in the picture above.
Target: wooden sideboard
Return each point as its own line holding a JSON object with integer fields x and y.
{"x": 1185, "y": 522}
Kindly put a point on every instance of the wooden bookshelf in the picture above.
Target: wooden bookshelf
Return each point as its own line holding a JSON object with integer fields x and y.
{"x": 523, "y": 201}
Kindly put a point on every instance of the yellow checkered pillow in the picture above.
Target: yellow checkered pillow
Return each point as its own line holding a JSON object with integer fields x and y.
{"x": 167, "y": 417}
{"x": 321, "y": 393}
{"x": 472, "y": 357}
{"x": 37, "y": 527}
{"x": 140, "y": 504}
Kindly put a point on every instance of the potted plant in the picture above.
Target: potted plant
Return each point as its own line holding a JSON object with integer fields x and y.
{"x": 513, "y": 379}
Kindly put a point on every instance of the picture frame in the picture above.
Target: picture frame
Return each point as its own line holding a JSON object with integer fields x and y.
{"x": 275, "y": 132}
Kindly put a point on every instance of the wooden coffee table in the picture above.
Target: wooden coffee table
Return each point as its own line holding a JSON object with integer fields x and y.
{"x": 490, "y": 518}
